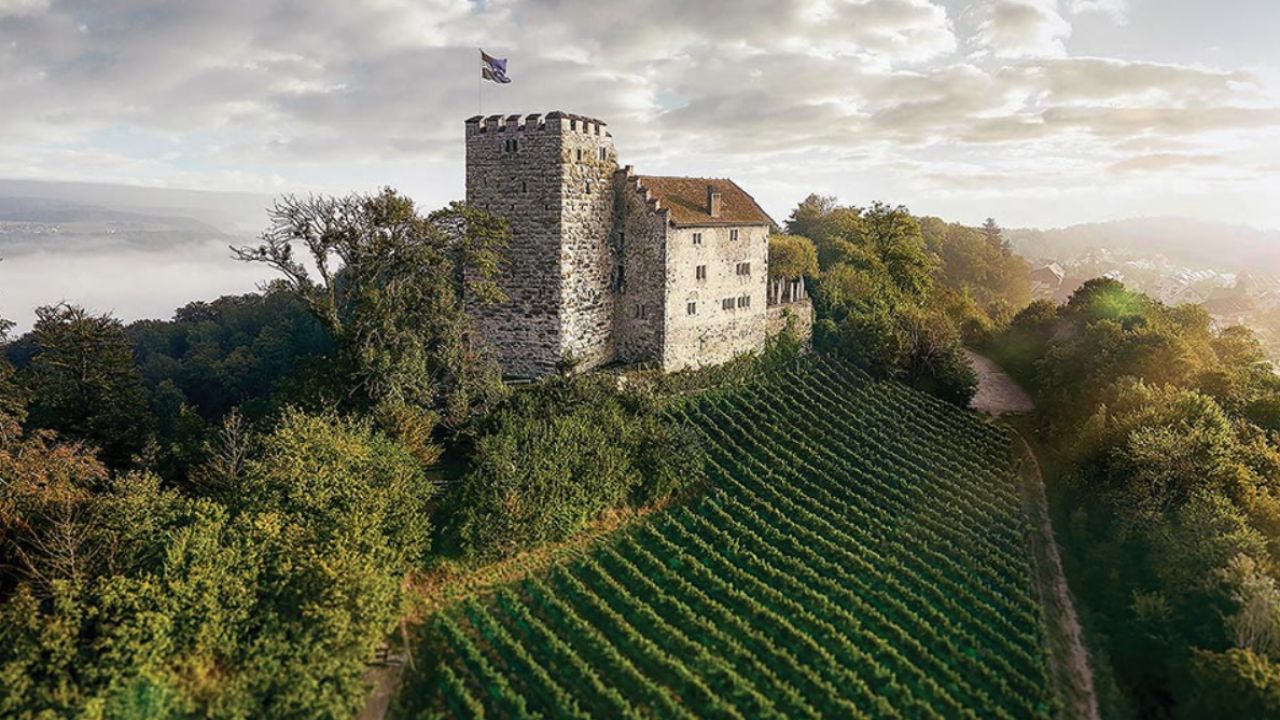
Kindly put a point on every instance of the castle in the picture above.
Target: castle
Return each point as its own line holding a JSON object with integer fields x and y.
{"x": 606, "y": 266}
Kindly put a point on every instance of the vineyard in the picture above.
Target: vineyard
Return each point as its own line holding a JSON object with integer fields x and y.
{"x": 860, "y": 552}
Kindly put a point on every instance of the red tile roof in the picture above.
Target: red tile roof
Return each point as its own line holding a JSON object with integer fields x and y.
{"x": 686, "y": 198}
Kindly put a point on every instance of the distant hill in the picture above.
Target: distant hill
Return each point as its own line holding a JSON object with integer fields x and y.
{"x": 231, "y": 212}
{"x": 1196, "y": 243}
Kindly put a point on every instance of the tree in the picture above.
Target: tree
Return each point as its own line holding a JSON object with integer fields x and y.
{"x": 894, "y": 235}
{"x": 84, "y": 383}
{"x": 994, "y": 236}
{"x": 791, "y": 259}
{"x": 833, "y": 228}
{"x": 1237, "y": 683}
{"x": 391, "y": 287}
{"x": 12, "y": 402}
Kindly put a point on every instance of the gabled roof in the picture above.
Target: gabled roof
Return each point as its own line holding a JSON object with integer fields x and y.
{"x": 686, "y": 198}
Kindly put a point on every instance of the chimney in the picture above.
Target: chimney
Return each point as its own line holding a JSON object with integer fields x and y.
{"x": 713, "y": 201}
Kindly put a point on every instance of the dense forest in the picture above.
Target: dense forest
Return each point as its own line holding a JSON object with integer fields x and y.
{"x": 1163, "y": 431}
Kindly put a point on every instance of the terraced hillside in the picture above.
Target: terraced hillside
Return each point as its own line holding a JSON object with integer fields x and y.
{"x": 860, "y": 552}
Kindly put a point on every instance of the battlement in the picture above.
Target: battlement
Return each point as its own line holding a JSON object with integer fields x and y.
{"x": 555, "y": 121}
{"x": 633, "y": 183}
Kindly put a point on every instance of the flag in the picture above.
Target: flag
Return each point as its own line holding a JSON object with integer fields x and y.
{"x": 493, "y": 69}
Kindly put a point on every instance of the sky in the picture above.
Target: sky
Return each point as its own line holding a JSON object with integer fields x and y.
{"x": 1037, "y": 112}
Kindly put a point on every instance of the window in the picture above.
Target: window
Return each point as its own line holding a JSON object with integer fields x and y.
{"x": 604, "y": 154}
{"x": 579, "y": 154}
{"x": 573, "y": 124}
{"x": 524, "y": 186}
{"x": 697, "y": 238}
{"x": 620, "y": 278}
{"x": 744, "y": 268}
{"x": 691, "y": 308}
{"x": 744, "y": 301}
{"x": 511, "y": 145}
{"x": 587, "y": 186}
{"x": 726, "y": 304}
{"x": 642, "y": 312}
{"x": 700, "y": 272}
{"x": 733, "y": 234}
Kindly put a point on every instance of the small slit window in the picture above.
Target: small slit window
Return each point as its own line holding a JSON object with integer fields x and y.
{"x": 579, "y": 154}
{"x": 744, "y": 301}
{"x": 733, "y": 234}
{"x": 697, "y": 238}
{"x": 604, "y": 154}
{"x": 642, "y": 311}
{"x": 726, "y": 304}
{"x": 700, "y": 272}
{"x": 691, "y": 308}
{"x": 744, "y": 268}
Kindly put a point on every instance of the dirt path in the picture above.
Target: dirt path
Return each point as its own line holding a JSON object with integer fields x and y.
{"x": 997, "y": 394}
{"x": 1070, "y": 670}
{"x": 1072, "y": 674}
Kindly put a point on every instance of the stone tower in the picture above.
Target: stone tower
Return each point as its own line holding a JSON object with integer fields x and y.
{"x": 551, "y": 177}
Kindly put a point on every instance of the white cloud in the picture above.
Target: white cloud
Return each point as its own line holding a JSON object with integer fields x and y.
{"x": 1023, "y": 28}
{"x": 1164, "y": 161}
{"x": 1117, "y": 10}
{"x": 22, "y": 7}
{"x": 333, "y": 94}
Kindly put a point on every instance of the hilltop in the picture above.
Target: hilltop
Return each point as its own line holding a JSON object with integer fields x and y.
{"x": 860, "y": 551}
{"x": 1198, "y": 243}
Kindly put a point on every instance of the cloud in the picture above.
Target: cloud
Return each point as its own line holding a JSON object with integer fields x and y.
{"x": 15, "y": 8}
{"x": 1068, "y": 80}
{"x": 1023, "y": 28}
{"x": 333, "y": 94}
{"x": 1160, "y": 162}
{"x": 1117, "y": 10}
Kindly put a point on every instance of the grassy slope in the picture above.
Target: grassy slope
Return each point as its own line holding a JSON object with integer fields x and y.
{"x": 861, "y": 551}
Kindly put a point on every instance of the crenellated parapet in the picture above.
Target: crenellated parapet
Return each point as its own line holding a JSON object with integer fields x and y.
{"x": 555, "y": 121}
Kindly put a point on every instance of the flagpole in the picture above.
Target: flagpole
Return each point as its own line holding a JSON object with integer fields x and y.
{"x": 480, "y": 91}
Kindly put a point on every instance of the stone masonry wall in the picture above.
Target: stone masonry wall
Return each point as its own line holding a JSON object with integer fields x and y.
{"x": 588, "y": 164}
{"x": 714, "y": 334}
{"x": 595, "y": 271}
{"x": 640, "y": 238}
{"x": 521, "y": 183}
{"x": 800, "y": 310}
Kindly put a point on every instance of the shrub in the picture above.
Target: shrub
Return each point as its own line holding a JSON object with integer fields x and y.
{"x": 561, "y": 453}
